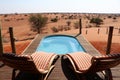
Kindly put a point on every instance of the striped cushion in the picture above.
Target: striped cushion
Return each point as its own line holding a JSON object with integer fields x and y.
{"x": 42, "y": 60}
{"x": 81, "y": 59}
{"x": 85, "y": 62}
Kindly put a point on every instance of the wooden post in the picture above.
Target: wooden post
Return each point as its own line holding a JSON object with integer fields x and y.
{"x": 1, "y": 48}
{"x": 13, "y": 47}
{"x": 1, "y": 45}
{"x": 109, "y": 39}
{"x": 98, "y": 31}
{"x": 119, "y": 31}
{"x": 80, "y": 26}
{"x": 108, "y": 71}
{"x": 12, "y": 40}
{"x": 86, "y": 31}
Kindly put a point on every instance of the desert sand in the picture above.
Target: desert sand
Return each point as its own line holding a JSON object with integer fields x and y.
{"x": 23, "y": 34}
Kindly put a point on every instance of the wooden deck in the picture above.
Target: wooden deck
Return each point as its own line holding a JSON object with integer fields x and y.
{"x": 60, "y": 72}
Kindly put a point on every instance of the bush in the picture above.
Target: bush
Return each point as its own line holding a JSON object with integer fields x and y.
{"x": 66, "y": 28}
{"x": 54, "y": 19}
{"x": 70, "y": 17}
{"x": 68, "y": 23}
{"x": 38, "y": 22}
{"x": 54, "y": 29}
{"x": 109, "y": 16}
{"x": 76, "y": 25}
{"x": 5, "y": 15}
{"x": 96, "y": 21}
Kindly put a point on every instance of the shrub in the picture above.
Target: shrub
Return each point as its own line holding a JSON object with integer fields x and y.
{"x": 54, "y": 29}
{"x": 96, "y": 21}
{"x": 114, "y": 18}
{"x": 70, "y": 17}
{"x": 66, "y": 28}
{"x": 25, "y": 15}
{"x": 68, "y": 23}
{"x": 5, "y": 15}
{"x": 37, "y": 22}
{"x": 109, "y": 16}
{"x": 76, "y": 25}
{"x": 54, "y": 19}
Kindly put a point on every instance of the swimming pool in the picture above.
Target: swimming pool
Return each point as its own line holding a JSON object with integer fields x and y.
{"x": 60, "y": 44}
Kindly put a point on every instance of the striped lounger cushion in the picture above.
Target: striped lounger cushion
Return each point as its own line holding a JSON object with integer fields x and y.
{"x": 42, "y": 60}
{"x": 82, "y": 60}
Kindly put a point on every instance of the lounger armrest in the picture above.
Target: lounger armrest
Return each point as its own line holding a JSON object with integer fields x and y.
{"x": 106, "y": 62}
{"x": 67, "y": 57}
{"x": 54, "y": 59}
{"x": 13, "y": 56}
{"x": 108, "y": 57}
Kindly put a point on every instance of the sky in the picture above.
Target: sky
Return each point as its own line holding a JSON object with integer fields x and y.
{"x": 76, "y": 6}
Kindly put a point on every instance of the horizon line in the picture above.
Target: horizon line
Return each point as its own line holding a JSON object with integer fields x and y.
{"x": 59, "y": 13}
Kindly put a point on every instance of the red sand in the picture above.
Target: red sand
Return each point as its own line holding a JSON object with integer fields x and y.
{"x": 21, "y": 29}
{"x": 100, "y": 46}
{"x": 20, "y": 47}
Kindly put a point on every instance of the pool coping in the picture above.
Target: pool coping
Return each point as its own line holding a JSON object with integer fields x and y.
{"x": 31, "y": 48}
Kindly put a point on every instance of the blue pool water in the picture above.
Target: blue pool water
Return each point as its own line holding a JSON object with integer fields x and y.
{"x": 59, "y": 44}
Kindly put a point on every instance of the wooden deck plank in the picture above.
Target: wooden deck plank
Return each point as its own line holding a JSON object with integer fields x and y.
{"x": 33, "y": 45}
{"x": 87, "y": 46}
{"x": 57, "y": 73}
{"x": 5, "y": 73}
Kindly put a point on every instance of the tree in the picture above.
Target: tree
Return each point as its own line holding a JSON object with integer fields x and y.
{"x": 37, "y": 22}
{"x": 96, "y": 21}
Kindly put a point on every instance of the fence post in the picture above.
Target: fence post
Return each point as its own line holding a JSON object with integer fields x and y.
{"x": 109, "y": 39}
{"x": 108, "y": 71}
{"x": 86, "y": 31}
{"x": 80, "y": 28}
{"x": 12, "y": 40}
{"x": 98, "y": 30}
{"x": 1, "y": 45}
{"x": 119, "y": 31}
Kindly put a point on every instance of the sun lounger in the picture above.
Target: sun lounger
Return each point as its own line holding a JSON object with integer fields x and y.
{"x": 83, "y": 63}
{"x": 39, "y": 62}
